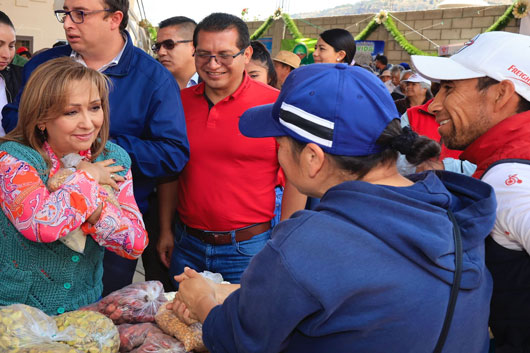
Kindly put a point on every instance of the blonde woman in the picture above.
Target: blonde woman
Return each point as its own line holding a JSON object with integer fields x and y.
{"x": 63, "y": 112}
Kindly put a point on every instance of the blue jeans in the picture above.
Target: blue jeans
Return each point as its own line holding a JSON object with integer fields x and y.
{"x": 229, "y": 260}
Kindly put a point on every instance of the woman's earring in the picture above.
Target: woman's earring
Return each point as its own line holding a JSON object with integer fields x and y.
{"x": 42, "y": 131}
{"x": 338, "y": 59}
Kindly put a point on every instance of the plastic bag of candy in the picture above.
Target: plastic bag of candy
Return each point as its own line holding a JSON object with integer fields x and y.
{"x": 134, "y": 335}
{"x": 138, "y": 302}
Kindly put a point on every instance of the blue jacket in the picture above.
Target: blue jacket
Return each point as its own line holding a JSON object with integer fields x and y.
{"x": 146, "y": 115}
{"x": 368, "y": 271}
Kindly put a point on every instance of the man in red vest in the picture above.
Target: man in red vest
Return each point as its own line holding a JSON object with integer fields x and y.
{"x": 483, "y": 108}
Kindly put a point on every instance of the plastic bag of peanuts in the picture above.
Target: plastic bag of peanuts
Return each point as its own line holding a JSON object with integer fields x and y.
{"x": 29, "y": 330}
{"x": 24, "y": 328}
{"x": 138, "y": 302}
{"x": 190, "y": 336}
{"x": 89, "y": 332}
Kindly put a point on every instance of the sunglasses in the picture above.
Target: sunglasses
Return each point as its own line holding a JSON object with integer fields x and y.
{"x": 168, "y": 44}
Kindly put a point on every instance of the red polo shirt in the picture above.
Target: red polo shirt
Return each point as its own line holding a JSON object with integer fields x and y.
{"x": 229, "y": 180}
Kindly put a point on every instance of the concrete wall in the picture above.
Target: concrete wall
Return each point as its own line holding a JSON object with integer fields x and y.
{"x": 34, "y": 18}
{"x": 448, "y": 26}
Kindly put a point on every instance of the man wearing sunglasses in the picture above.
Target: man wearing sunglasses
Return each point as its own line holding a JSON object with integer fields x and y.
{"x": 225, "y": 193}
{"x": 146, "y": 113}
{"x": 174, "y": 47}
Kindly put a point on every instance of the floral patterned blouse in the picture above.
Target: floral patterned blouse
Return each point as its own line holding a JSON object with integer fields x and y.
{"x": 44, "y": 216}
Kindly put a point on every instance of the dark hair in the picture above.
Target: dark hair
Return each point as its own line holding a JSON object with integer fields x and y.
{"x": 183, "y": 21}
{"x": 261, "y": 54}
{"x": 119, "y": 5}
{"x": 218, "y": 21}
{"x": 417, "y": 149}
{"x": 484, "y": 83}
{"x": 340, "y": 39}
{"x": 382, "y": 59}
{"x": 5, "y": 20}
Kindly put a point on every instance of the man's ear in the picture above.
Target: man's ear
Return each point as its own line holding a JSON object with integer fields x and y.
{"x": 248, "y": 54}
{"x": 312, "y": 158}
{"x": 504, "y": 95}
{"x": 115, "y": 19}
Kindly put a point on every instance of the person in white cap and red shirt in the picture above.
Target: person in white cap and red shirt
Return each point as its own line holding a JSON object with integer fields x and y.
{"x": 483, "y": 107}
{"x": 417, "y": 92}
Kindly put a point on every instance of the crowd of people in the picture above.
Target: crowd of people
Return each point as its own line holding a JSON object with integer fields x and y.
{"x": 352, "y": 206}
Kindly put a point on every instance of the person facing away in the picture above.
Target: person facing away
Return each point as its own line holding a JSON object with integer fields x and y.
{"x": 226, "y": 192}
{"x": 145, "y": 108}
{"x": 371, "y": 268}
{"x": 483, "y": 108}
{"x": 174, "y": 49}
{"x": 65, "y": 192}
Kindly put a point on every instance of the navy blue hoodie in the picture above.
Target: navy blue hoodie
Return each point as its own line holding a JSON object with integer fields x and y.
{"x": 369, "y": 270}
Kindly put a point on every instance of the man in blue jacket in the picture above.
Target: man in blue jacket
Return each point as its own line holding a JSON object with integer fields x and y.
{"x": 146, "y": 113}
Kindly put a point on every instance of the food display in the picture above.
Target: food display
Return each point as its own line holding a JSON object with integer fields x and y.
{"x": 138, "y": 302}
{"x": 89, "y": 331}
{"x": 190, "y": 336}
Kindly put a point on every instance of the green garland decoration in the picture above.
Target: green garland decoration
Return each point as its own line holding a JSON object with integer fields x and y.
{"x": 263, "y": 28}
{"x": 291, "y": 26}
{"x": 503, "y": 20}
{"x": 370, "y": 27}
{"x": 390, "y": 25}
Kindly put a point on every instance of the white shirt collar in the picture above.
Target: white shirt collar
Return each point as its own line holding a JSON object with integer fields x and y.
{"x": 77, "y": 57}
{"x": 193, "y": 80}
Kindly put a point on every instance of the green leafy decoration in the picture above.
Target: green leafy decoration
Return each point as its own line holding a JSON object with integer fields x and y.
{"x": 391, "y": 27}
{"x": 262, "y": 29}
{"x": 370, "y": 27}
{"x": 291, "y": 26}
{"x": 502, "y": 21}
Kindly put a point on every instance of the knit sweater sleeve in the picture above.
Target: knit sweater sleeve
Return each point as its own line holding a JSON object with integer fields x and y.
{"x": 41, "y": 215}
{"x": 120, "y": 228}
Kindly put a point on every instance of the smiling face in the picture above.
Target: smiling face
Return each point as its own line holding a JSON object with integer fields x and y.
{"x": 414, "y": 89}
{"x": 78, "y": 126}
{"x": 463, "y": 112}
{"x": 180, "y": 58}
{"x": 222, "y": 79}
{"x": 7, "y": 45}
{"x": 326, "y": 54}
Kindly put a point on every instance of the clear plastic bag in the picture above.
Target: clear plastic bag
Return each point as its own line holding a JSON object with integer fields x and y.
{"x": 134, "y": 335}
{"x": 138, "y": 302}
{"x": 89, "y": 331}
{"x": 190, "y": 336}
{"x": 25, "y": 327}
{"x": 160, "y": 343}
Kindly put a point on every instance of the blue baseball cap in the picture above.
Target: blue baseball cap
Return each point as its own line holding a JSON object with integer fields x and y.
{"x": 343, "y": 109}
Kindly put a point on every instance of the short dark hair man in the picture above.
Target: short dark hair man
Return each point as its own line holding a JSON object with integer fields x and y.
{"x": 174, "y": 47}
{"x": 145, "y": 108}
{"x": 483, "y": 107}
{"x": 226, "y": 194}
{"x": 381, "y": 64}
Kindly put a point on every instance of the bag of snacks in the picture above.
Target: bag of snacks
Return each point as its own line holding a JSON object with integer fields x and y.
{"x": 160, "y": 343}
{"x": 27, "y": 329}
{"x": 134, "y": 335}
{"x": 138, "y": 302}
{"x": 89, "y": 332}
{"x": 190, "y": 336}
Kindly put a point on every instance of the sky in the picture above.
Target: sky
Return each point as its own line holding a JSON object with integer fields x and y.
{"x": 158, "y": 10}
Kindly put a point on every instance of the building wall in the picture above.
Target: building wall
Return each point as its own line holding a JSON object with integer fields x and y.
{"x": 34, "y": 18}
{"x": 448, "y": 26}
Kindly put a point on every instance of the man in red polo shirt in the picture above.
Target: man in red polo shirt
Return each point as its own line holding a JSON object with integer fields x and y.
{"x": 225, "y": 193}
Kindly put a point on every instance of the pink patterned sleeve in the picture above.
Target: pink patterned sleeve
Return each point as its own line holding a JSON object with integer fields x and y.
{"x": 120, "y": 229}
{"x": 41, "y": 215}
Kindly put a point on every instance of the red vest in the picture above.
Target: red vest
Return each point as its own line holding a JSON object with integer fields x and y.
{"x": 509, "y": 139}
{"x": 424, "y": 123}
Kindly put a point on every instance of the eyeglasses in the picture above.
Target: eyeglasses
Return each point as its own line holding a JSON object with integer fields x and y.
{"x": 168, "y": 44}
{"x": 77, "y": 16}
{"x": 221, "y": 59}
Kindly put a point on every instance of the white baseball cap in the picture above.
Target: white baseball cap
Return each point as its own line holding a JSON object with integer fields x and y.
{"x": 417, "y": 79}
{"x": 498, "y": 55}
